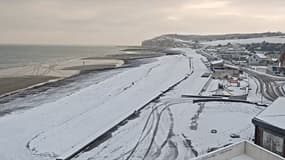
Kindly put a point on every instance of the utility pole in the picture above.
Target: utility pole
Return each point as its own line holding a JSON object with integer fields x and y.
{"x": 261, "y": 98}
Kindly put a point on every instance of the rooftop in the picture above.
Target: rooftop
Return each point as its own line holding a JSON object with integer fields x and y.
{"x": 274, "y": 115}
{"x": 260, "y": 55}
{"x": 217, "y": 62}
{"x": 241, "y": 151}
{"x": 232, "y": 66}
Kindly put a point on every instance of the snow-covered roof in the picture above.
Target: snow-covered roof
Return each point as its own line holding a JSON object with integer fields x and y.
{"x": 241, "y": 151}
{"x": 232, "y": 66}
{"x": 274, "y": 59}
{"x": 217, "y": 62}
{"x": 274, "y": 114}
{"x": 273, "y": 39}
{"x": 260, "y": 55}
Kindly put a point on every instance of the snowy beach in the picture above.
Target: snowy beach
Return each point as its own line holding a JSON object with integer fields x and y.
{"x": 140, "y": 81}
{"x": 66, "y": 124}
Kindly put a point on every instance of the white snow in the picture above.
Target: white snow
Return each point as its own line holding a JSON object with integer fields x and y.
{"x": 226, "y": 118}
{"x": 265, "y": 74}
{"x": 180, "y": 110}
{"x": 274, "y": 114}
{"x": 174, "y": 126}
{"x": 57, "y": 127}
{"x": 230, "y": 89}
{"x": 217, "y": 62}
{"x": 60, "y": 127}
{"x": 261, "y": 56}
{"x": 275, "y": 39}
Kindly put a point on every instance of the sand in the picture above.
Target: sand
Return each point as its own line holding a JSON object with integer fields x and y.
{"x": 62, "y": 70}
{"x": 13, "y": 79}
{"x": 15, "y": 83}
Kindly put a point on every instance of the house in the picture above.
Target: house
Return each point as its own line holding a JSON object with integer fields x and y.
{"x": 273, "y": 59}
{"x": 278, "y": 67}
{"x": 218, "y": 64}
{"x": 241, "y": 151}
{"x": 222, "y": 71}
{"x": 258, "y": 59}
{"x": 276, "y": 70}
{"x": 270, "y": 127}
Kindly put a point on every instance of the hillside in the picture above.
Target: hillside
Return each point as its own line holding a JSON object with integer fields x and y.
{"x": 177, "y": 40}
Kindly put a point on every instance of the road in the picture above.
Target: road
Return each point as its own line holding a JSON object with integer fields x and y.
{"x": 268, "y": 86}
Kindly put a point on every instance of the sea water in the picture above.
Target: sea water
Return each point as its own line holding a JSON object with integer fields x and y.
{"x": 21, "y": 55}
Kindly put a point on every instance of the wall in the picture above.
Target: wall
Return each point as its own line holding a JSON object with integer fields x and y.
{"x": 260, "y": 153}
{"x": 221, "y": 74}
{"x": 242, "y": 148}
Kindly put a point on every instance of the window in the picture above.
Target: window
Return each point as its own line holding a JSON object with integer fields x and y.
{"x": 273, "y": 143}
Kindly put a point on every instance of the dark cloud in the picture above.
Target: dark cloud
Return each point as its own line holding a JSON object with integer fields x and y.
{"x": 131, "y": 21}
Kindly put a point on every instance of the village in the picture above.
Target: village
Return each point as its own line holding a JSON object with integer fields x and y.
{"x": 263, "y": 57}
{"x": 231, "y": 66}
{"x": 235, "y": 114}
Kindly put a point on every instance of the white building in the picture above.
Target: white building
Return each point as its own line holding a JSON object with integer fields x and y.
{"x": 270, "y": 127}
{"x": 241, "y": 151}
{"x": 258, "y": 59}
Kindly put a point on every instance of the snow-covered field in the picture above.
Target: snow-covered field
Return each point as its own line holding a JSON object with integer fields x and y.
{"x": 55, "y": 128}
{"x": 276, "y": 39}
{"x": 175, "y": 128}
{"x": 168, "y": 128}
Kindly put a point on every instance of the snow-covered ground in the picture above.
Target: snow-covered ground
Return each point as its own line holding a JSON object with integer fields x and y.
{"x": 168, "y": 128}
{"x": 232, "y": 89}
{"x": 49, "y": 93}
{"x": 57, "y": 127}
{"x": 276, "y": 39}
{"x": 175, "y": 128}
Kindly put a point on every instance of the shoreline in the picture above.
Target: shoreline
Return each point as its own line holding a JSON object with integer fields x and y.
{"x": 20, "y": 83}
{"x": 12, "y": 85}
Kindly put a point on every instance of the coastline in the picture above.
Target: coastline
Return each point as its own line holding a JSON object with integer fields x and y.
{"x": 19, "y": 79}
{"x": 12, "y": 84}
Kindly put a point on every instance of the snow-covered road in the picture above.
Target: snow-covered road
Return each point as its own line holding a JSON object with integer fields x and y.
{"x": 174, "y": 128}
{"x": 55, "y": 128}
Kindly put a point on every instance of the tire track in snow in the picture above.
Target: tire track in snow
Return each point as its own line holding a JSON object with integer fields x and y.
{"x": 155, "y": 128}
{"x": 148, "y": 71}
{"x": 170, "y": 134}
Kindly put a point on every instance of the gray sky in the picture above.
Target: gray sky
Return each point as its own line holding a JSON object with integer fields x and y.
{"x": 128, "y": 22}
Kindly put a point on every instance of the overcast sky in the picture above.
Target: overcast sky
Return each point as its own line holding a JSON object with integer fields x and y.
{"x": 128, "y": 22}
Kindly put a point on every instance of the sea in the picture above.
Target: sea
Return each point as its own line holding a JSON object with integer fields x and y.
{"x": 21, "y": 55}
